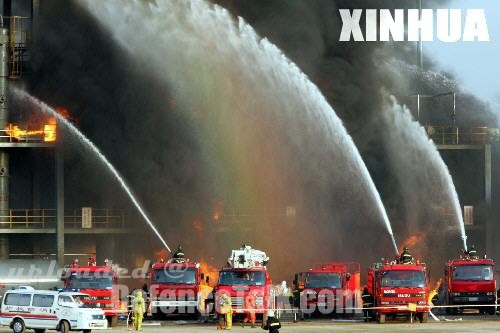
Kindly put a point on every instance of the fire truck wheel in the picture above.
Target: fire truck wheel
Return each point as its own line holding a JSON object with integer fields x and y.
{"x": 451, "y": 311}
{"x": 423, "y": 317}
{"x": 64, "y": 327}
{"x": 491, "y": 310}
{"x": 381, "y": 318}
{"x": 112, "y": 321}
{"x": 18, "y": 325}
{"x": 158, "y": 315}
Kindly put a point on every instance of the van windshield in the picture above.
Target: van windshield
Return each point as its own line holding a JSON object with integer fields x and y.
{"x": 90, "y": 281}
{"x": 83, "y": 301}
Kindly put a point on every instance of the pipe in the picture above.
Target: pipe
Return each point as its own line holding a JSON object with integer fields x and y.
{"x": 420, "y": 47}
{"x": 4, "y": 156}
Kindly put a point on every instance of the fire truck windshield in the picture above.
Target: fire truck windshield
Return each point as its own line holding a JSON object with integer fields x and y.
{"x": 473, "y": 272}
{"x": 231, "y": 278}
{"x": 403, "y": 279}
{"x": 323, "y": 280}
{"x": 175, "y": 276}
{"x": 90, "y": 281}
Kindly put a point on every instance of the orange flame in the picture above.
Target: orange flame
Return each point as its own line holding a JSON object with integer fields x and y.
{"x": 413, "y": 240}
{"x": 47, "y": 133}
{"x": 208, "y": 270}
{"x": 162, "y": 254}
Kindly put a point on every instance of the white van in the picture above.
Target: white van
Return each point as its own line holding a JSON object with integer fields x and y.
{"x": 40, "y": 310}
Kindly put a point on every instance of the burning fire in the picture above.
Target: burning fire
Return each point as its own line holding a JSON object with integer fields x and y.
{"x": 413, "y": 240}
{"x": 47, "y": 133}
{"x": 209, "y": 270}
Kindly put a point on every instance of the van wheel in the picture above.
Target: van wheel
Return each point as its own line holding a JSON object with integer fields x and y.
{"x": 64, "y": 327}
{"x": 39, "y": 330}
{"x": 18, "y": 326}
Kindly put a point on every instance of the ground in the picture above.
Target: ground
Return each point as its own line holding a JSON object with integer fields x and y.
{"x": 471, "y": 324}
{"x": 478, "y": 324}
{"x": 481, "y": 326}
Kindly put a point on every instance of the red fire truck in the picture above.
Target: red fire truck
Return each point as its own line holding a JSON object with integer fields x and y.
{"x": 470, "y": 282}
{"x": 327, "y": 287}
{"x": 100, "y": 282}
{"x": 399, "y": 290}
{"x": 174, "y": 288}
{"x": 246, "y": 273}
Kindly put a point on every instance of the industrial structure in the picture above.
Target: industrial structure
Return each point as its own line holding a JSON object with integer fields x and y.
{"x": 34, "y": 221}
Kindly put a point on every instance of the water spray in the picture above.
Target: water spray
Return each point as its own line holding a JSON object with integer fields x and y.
{"x": 464, "y": 239}
{"x": 47, "y": 109}
{"x": 189, "y": 27}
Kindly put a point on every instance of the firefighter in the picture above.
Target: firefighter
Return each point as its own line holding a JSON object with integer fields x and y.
{"x": 367, "y": 299}
{"x": 178, "y": 254}
{"x": 406, "y": 258}
{"x": 226, "y": 309}
{"x": 472, "y": 252}
{"x": 138, "y": 308}
{"x": 272, "y": 323}
{"x": 250, "y": 309}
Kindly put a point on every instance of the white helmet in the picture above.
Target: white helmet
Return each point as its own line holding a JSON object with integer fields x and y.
{"x": 270, "y": 313}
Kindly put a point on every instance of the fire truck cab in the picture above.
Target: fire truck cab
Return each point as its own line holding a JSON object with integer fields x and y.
{"x": 246, "y": 273}
{"x": 399, "y": 290}
{"x": 470, "y": 282}
{"x": 327, "y": 287}
{"x": 174, "y": 288}
{"x": 100, "y": 283}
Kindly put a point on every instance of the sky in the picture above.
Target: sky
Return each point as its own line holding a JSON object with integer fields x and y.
{"x": 476, "y": 65}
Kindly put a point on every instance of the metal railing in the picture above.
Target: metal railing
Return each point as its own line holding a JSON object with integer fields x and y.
{"x": 19, "y": 40}
{"x": 7, "y": 135}
{"x": 47, "y": 218}
{"x": 101, "y": 218}
{"x": 456, "y": 136}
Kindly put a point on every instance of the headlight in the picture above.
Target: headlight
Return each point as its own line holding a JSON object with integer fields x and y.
{"x": 455, "y": 294}
{"x": 490, "y": 293}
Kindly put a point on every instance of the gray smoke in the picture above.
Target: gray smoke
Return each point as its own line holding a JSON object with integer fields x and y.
{"x": 358, "y": 79}
{"x": 121, "y": 106}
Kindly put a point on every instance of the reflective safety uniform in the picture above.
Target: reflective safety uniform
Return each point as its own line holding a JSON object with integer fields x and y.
{"x": 138, "y": 308}
{"x": 226, "y": 310}
{"x": 250, "y": 307}
{"x": 406, "y": 258}
{"x": 178, "y": 256}
{"x": 367, "y": 299}
{"x": 273, "y": 325}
